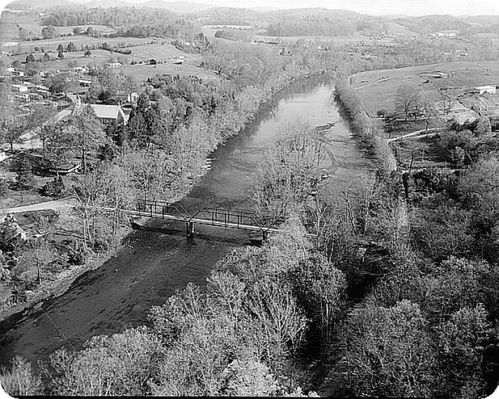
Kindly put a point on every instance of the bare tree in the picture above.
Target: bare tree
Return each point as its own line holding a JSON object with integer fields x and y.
{"x": 408, "y": 100}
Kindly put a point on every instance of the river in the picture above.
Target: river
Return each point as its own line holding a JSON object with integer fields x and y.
{"x": 152, "y": 265}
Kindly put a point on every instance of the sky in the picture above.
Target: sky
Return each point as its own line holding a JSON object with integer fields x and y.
{"x": 373, "y": 7}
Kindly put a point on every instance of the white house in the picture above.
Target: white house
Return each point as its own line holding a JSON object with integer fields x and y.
{"x": 19, "y": 88}
{"x": 109, "y": 113}
{"x": 486, "y": 89}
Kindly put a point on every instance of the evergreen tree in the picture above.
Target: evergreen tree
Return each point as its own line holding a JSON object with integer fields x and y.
{"x": 25, "y": 178}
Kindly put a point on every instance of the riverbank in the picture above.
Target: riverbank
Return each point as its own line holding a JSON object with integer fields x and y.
{"x": 150, "y": 266}
{"x": 67, "y": 277}
{"x": 367, "y": 130}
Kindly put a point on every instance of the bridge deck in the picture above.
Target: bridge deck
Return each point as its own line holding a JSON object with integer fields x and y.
{"x": 202, "y": 221}
{"x": 217, "y": 217}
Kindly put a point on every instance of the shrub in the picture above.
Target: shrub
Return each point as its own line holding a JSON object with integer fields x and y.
{"x": 20, "y": 380}
{"x": 25, "y": 178}
{"x": 54, "y": 188}
{"x": 457, "y": 147}
{"x": 3, "y": 187}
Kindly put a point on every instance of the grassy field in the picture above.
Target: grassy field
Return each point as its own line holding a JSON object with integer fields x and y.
{"x": 79, "y": 41}
{"x": 190, "y": 67}
{"x": 142, "y": 51}
{"x": 8, "y": 25}
{"x": 378, "y": 88}
{"x": 335, "y": 40}
{"x": 164, "y": 52}
{"x": 9, "y": 31}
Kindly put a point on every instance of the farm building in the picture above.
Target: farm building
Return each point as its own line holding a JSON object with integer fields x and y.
{"x": 434, "y": 75}
{"x": 22, "y": 97}
{"x": 494, "y": 120}
{"x": 14, "y": 72}
{"x": 19, "y": 88}
{"x": 113, "y": 64}
{"x": 486, "y": 89}
{"x": 446, "y": 33}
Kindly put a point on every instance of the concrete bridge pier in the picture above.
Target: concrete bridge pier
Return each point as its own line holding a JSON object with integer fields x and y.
{"x": 189, "y": 229}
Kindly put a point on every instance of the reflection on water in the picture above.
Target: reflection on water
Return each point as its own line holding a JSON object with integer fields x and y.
{"x": 229, "y": 182}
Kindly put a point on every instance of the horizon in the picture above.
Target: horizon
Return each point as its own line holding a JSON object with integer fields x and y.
{"x": 380, "y": 8}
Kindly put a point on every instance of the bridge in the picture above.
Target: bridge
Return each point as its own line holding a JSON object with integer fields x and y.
{"x": 218, "y": 217}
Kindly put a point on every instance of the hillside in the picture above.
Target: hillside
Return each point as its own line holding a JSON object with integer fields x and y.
{"x": 432, "y": 23}
{"x": 230, "y": 16}
{"x": 180, "y": 7}
{"x": 27, "y": 4}
{"x": 321, "y": 21}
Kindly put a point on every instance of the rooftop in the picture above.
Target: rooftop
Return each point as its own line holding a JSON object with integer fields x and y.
{"x": 107, "y": 111}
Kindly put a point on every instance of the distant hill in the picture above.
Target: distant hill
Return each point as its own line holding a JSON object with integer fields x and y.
{"x": 307, "y": 12}
{"x": 26, "y": 4}
{"x": 485, "y": 20}
{"x": 230, "y": 16}
{"x": 321, "y": 21}
{"x": 107, "y": 3}
{"x": 432, "y": 23}
{"x": 395, "y": 29}
{"x": 180, "y": 7}
{"x": 263, "y": 9}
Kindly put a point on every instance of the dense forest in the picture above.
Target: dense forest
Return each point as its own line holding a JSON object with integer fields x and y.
{"x": 113, "y": 17}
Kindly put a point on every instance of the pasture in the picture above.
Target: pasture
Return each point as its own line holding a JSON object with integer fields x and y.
{"x": 191, "y": 67}
{"x": 377, "y": 89}
{"x": 143, "y": 54}
{"x": 10, "y": 23}
{"x": 334, "y": 40}
{"x": 8, "y": 26}
{"x": 79, "y": 40}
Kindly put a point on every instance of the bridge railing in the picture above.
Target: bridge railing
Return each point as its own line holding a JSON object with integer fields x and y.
{"x": 156, "y": 207}
{"x": 217, "y": 216}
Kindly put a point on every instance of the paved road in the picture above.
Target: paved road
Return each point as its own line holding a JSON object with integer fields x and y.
{"x": 430, "y": 132}
{"x": 56, "y": 205}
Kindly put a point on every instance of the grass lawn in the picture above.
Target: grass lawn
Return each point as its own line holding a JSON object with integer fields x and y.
{"x": 14, "y": 197}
